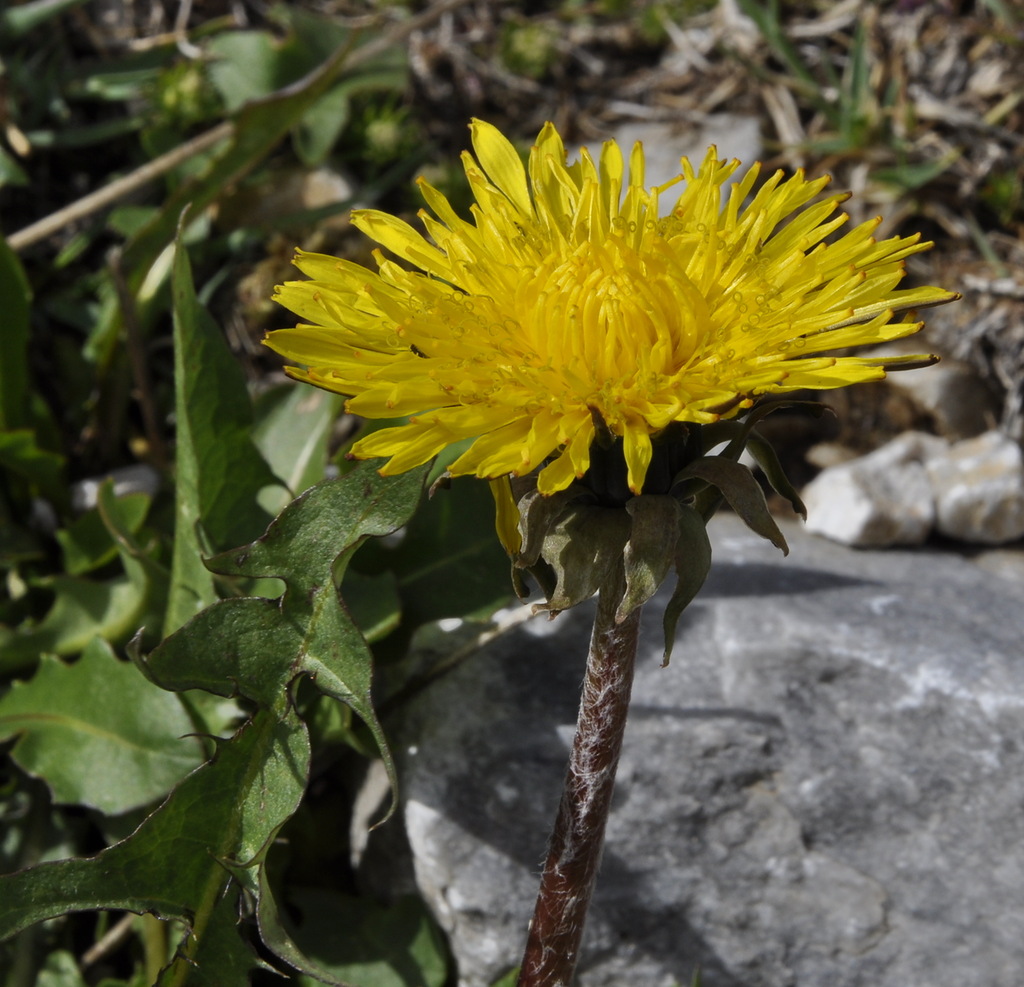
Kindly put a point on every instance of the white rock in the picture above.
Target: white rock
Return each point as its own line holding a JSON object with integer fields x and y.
{"x": 978, "y": 486}
{"x": 884, "y": 498}
{"x": 971, "y": 490}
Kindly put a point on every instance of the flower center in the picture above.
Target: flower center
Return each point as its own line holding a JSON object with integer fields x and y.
{"x": 603, "y": 326}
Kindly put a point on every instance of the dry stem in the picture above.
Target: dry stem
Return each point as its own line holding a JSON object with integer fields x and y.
{"x": 553, "y": 944}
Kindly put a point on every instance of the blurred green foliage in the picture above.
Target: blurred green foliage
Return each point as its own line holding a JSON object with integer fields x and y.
{"x": 134, "y": 445}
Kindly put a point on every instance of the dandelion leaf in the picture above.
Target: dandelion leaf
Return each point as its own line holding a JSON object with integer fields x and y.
{"x": 175, "y": 864}
{"x": 97, "y": 733}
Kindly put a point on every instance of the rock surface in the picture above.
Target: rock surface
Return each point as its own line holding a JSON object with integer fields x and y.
{"x": 823, "y": 789}
{"x": 979, "y": 490}
{"x": 883, "y": 498}
{"x": 971, "y": 490}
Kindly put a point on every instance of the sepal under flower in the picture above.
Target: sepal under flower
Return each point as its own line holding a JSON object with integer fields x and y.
{"x": 595, "y": 536}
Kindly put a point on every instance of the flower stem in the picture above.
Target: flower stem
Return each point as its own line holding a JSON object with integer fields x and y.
{"x": 553, "y": 943}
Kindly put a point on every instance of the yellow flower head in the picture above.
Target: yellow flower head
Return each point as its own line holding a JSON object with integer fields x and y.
{"x": 569, "y": 300}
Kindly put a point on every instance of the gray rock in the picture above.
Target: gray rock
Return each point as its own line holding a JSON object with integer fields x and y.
{"x": 883, "y": 498}
{"x": 971, "y": 490}
{"x": 979, "y": 489}
{"x": 823, "y": 789}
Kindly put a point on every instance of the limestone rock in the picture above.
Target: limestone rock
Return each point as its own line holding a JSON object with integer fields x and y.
{"x": 971, "y": 490}
{"x": 883, "y": 498}
{"x": 979, "y": 490}
{"x": 823, "y": 788}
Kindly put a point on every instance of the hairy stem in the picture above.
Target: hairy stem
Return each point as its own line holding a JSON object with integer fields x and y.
{"x": 553, "y": 944}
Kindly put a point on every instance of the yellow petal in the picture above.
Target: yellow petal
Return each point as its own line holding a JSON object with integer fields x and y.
{"x": 326, "y": 347}
{"x": 506, "y": 516}
{"x": 401, "y": 239}
{"x": 495, "y": 453}
{"x": 572, "y": 464}
{"x": 408, "y": 446}
{"x": 611, "y": 171}
{"x": 637, "y": 451}
{"x": 501, "y": 163}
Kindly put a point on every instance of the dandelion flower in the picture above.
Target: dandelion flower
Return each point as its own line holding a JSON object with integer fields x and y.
{"x": 570, "y": 304}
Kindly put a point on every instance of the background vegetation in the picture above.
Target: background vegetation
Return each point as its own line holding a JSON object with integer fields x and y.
{"x": 158, "y": 163}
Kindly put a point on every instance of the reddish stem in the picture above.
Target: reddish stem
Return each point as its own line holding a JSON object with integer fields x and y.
{"x": 553, "y": 944}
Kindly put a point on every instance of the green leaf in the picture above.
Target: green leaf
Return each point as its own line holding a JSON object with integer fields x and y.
{"x": 87, "y": 543}
{"x": 272, "y": 929}
{"x": 81, "y": 610}
{"x": 19, "y": 20}
{"x": 42, "y": 469}
{"x": 449, "y": 562}
{"x": 60, "y": 970}
{"x": 11, "y": 172}
{"x": 89, "y": 135}
{"x": 213, "y": 409}
{"x": 246, "y": 65}
{"x": 250, "y": 65}
{"x": 225, "y": 813}
{"x": 137, "y": 560}
{"x": 17, "y": 542}
{"x": 236, "y": 647}
{"x": 319, "y": 35}
{"x": 325, "y": 121}
{"x": 221, "y": 955}
{"x": 129, "y": 219}
{"x": 292, "y": 430}
{"x": 257, "y": 647}
{"x": 370, "y": 944}
{"x": 98, "y": 733}
{"x": 321, "y": 126}
{"x": 912, "y": 176}
{"x": 219, "y": 472}
{"x": 15, "y": 297}
{"x": 693, "y": 562}
{"x": 338, "y": 659}
{"x": 373, "y": 603}
{"x": 304, "y": 544}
